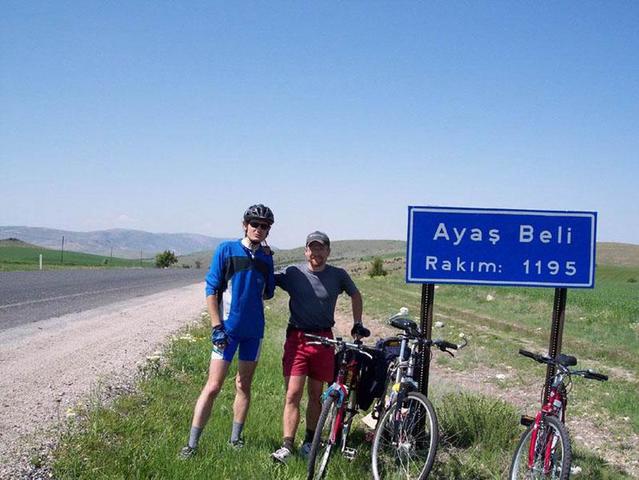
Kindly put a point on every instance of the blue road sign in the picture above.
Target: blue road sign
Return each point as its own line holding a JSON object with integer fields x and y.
{"x": 501, "y": 247}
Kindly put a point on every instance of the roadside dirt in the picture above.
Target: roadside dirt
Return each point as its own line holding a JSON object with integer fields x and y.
{"x": 49, "y": 367}
{"x": 594, "y": 433}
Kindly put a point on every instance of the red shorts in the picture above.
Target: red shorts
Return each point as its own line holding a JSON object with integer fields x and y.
{"x": 314, "y": 361}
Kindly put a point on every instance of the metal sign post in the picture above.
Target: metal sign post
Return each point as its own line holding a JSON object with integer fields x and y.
{"x": 426, "y": 327}
{"x": 556, "y": 334}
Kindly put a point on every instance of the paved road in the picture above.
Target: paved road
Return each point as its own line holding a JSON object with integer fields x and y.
{"x": 31, "y": 296}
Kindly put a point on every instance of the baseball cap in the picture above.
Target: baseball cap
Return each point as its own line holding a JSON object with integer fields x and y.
{"x": 318, "y": 236}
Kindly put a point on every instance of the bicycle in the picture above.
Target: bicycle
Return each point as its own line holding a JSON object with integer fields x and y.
{"x": 544, "y": 450}
{"x": 407, "y": 432}
{"x": 339, "y": 404}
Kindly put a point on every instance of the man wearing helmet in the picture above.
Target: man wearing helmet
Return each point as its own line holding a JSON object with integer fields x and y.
{"x": 313, "y": 288}
{"x": 240, "y": 277}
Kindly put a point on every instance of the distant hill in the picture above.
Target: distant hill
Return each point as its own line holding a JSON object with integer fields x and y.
{"x": 342, "y": 250}
{"x": 619, "y": 254}
{"x": 125, "y": 243}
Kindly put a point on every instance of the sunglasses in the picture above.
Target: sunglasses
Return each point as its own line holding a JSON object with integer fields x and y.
{"x": 263, "y": 226}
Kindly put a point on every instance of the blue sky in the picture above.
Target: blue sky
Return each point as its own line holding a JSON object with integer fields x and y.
{"x": 175, "y": 116}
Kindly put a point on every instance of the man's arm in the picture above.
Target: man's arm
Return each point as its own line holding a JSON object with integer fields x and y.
{"x": 358, "y": 306}
{"x": 214, "y": 312}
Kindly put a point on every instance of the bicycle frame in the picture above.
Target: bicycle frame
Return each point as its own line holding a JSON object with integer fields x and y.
{"x": 405, "y": 369}
{"x": 343, "y": 388}
{"x": 555, "y": 406}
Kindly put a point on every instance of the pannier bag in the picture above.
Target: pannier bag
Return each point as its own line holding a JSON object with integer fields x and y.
{"x": 372, "y": 380}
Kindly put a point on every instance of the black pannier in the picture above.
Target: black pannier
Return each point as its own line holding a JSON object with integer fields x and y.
{"x": 372, "y": 375}
{"x": 372, "y": 380}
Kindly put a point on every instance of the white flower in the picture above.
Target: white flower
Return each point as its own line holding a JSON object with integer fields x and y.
{"x": 489, "y": 298}
{"x": 439, "y": 324}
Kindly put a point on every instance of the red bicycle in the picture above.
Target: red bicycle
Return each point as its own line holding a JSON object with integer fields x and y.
{"x": 339, "y": 404}
{"x": 544, "y": 451}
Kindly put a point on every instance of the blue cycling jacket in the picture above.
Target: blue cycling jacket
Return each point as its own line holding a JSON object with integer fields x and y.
{"x": 241, "y": 280}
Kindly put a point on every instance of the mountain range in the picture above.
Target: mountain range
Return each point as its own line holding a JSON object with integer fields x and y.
{"x": 119, "y": 242}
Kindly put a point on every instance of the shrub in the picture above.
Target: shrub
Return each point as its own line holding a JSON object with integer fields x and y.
{"x": 468, "y": 420}
{"x": 377, "y": 268}
{"x": 165, "y": 259}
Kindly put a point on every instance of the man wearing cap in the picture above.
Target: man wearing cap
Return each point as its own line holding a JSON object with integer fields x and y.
{"x": 313, "y": 288}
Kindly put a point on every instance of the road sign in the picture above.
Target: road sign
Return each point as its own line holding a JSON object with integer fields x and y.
{"x": 501, "y": 247}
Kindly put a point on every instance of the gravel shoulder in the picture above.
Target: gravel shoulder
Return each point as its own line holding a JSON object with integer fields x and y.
{"x": 48, "y": 367}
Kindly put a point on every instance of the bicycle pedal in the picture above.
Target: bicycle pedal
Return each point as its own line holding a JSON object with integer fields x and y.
{"x": 526, "y": 421}
{"x": 349, "y": 453}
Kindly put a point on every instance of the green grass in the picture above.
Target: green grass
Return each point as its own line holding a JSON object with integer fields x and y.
{"x": 139, "y": 436}
{"x": 28, "y": 258}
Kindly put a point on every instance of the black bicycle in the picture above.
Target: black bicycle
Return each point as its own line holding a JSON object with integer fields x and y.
{"x": 406, "y": 435}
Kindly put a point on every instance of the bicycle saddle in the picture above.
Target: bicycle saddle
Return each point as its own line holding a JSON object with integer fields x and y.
{"x": 567, "y": 360}
{"x": 405, "y": 324}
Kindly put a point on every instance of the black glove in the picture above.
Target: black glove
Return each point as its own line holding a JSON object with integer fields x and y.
{"x": 219, "y": 337}
{"x": 361, "y": 331}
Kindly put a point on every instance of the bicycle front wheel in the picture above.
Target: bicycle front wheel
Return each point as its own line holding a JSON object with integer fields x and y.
{"x": 405, "y": 440}
{"x": 323, "y": 444}
{"x": 550, "y": 456}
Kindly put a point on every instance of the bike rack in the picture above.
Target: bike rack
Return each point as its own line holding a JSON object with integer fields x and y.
{"x": 556, "y": 334}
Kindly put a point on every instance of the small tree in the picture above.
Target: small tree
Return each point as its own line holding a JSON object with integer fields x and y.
{"x": 377, "y": 268}
{"x": 165, "y": 259}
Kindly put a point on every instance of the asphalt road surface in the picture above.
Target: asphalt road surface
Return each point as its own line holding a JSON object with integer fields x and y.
{"x": 32, "y": 296}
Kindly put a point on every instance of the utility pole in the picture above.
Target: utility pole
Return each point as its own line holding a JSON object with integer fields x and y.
{"x": 62, "y": 251}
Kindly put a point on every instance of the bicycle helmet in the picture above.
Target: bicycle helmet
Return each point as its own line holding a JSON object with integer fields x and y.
{"x": 259, "y": 212}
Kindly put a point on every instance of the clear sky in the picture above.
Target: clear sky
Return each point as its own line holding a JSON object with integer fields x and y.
{"x": 175, "y": 116}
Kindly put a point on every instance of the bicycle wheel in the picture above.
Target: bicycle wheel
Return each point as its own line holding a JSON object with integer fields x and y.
{"x": 405, "y": 440}
{"x": 551, "y": 452}
{"x": 323, "y": 444}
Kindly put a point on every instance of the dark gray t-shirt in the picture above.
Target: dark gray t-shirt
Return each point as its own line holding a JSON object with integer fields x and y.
{"x": 313, "y": 295}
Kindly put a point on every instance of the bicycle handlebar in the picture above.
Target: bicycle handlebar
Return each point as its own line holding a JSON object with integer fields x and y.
{"x": 528, "y": 354}
{"x": 402, "y": 321}
{"x": 338, "y": 342}
{"x": 443, "y": 344}
{"x": 589, "y": 374}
